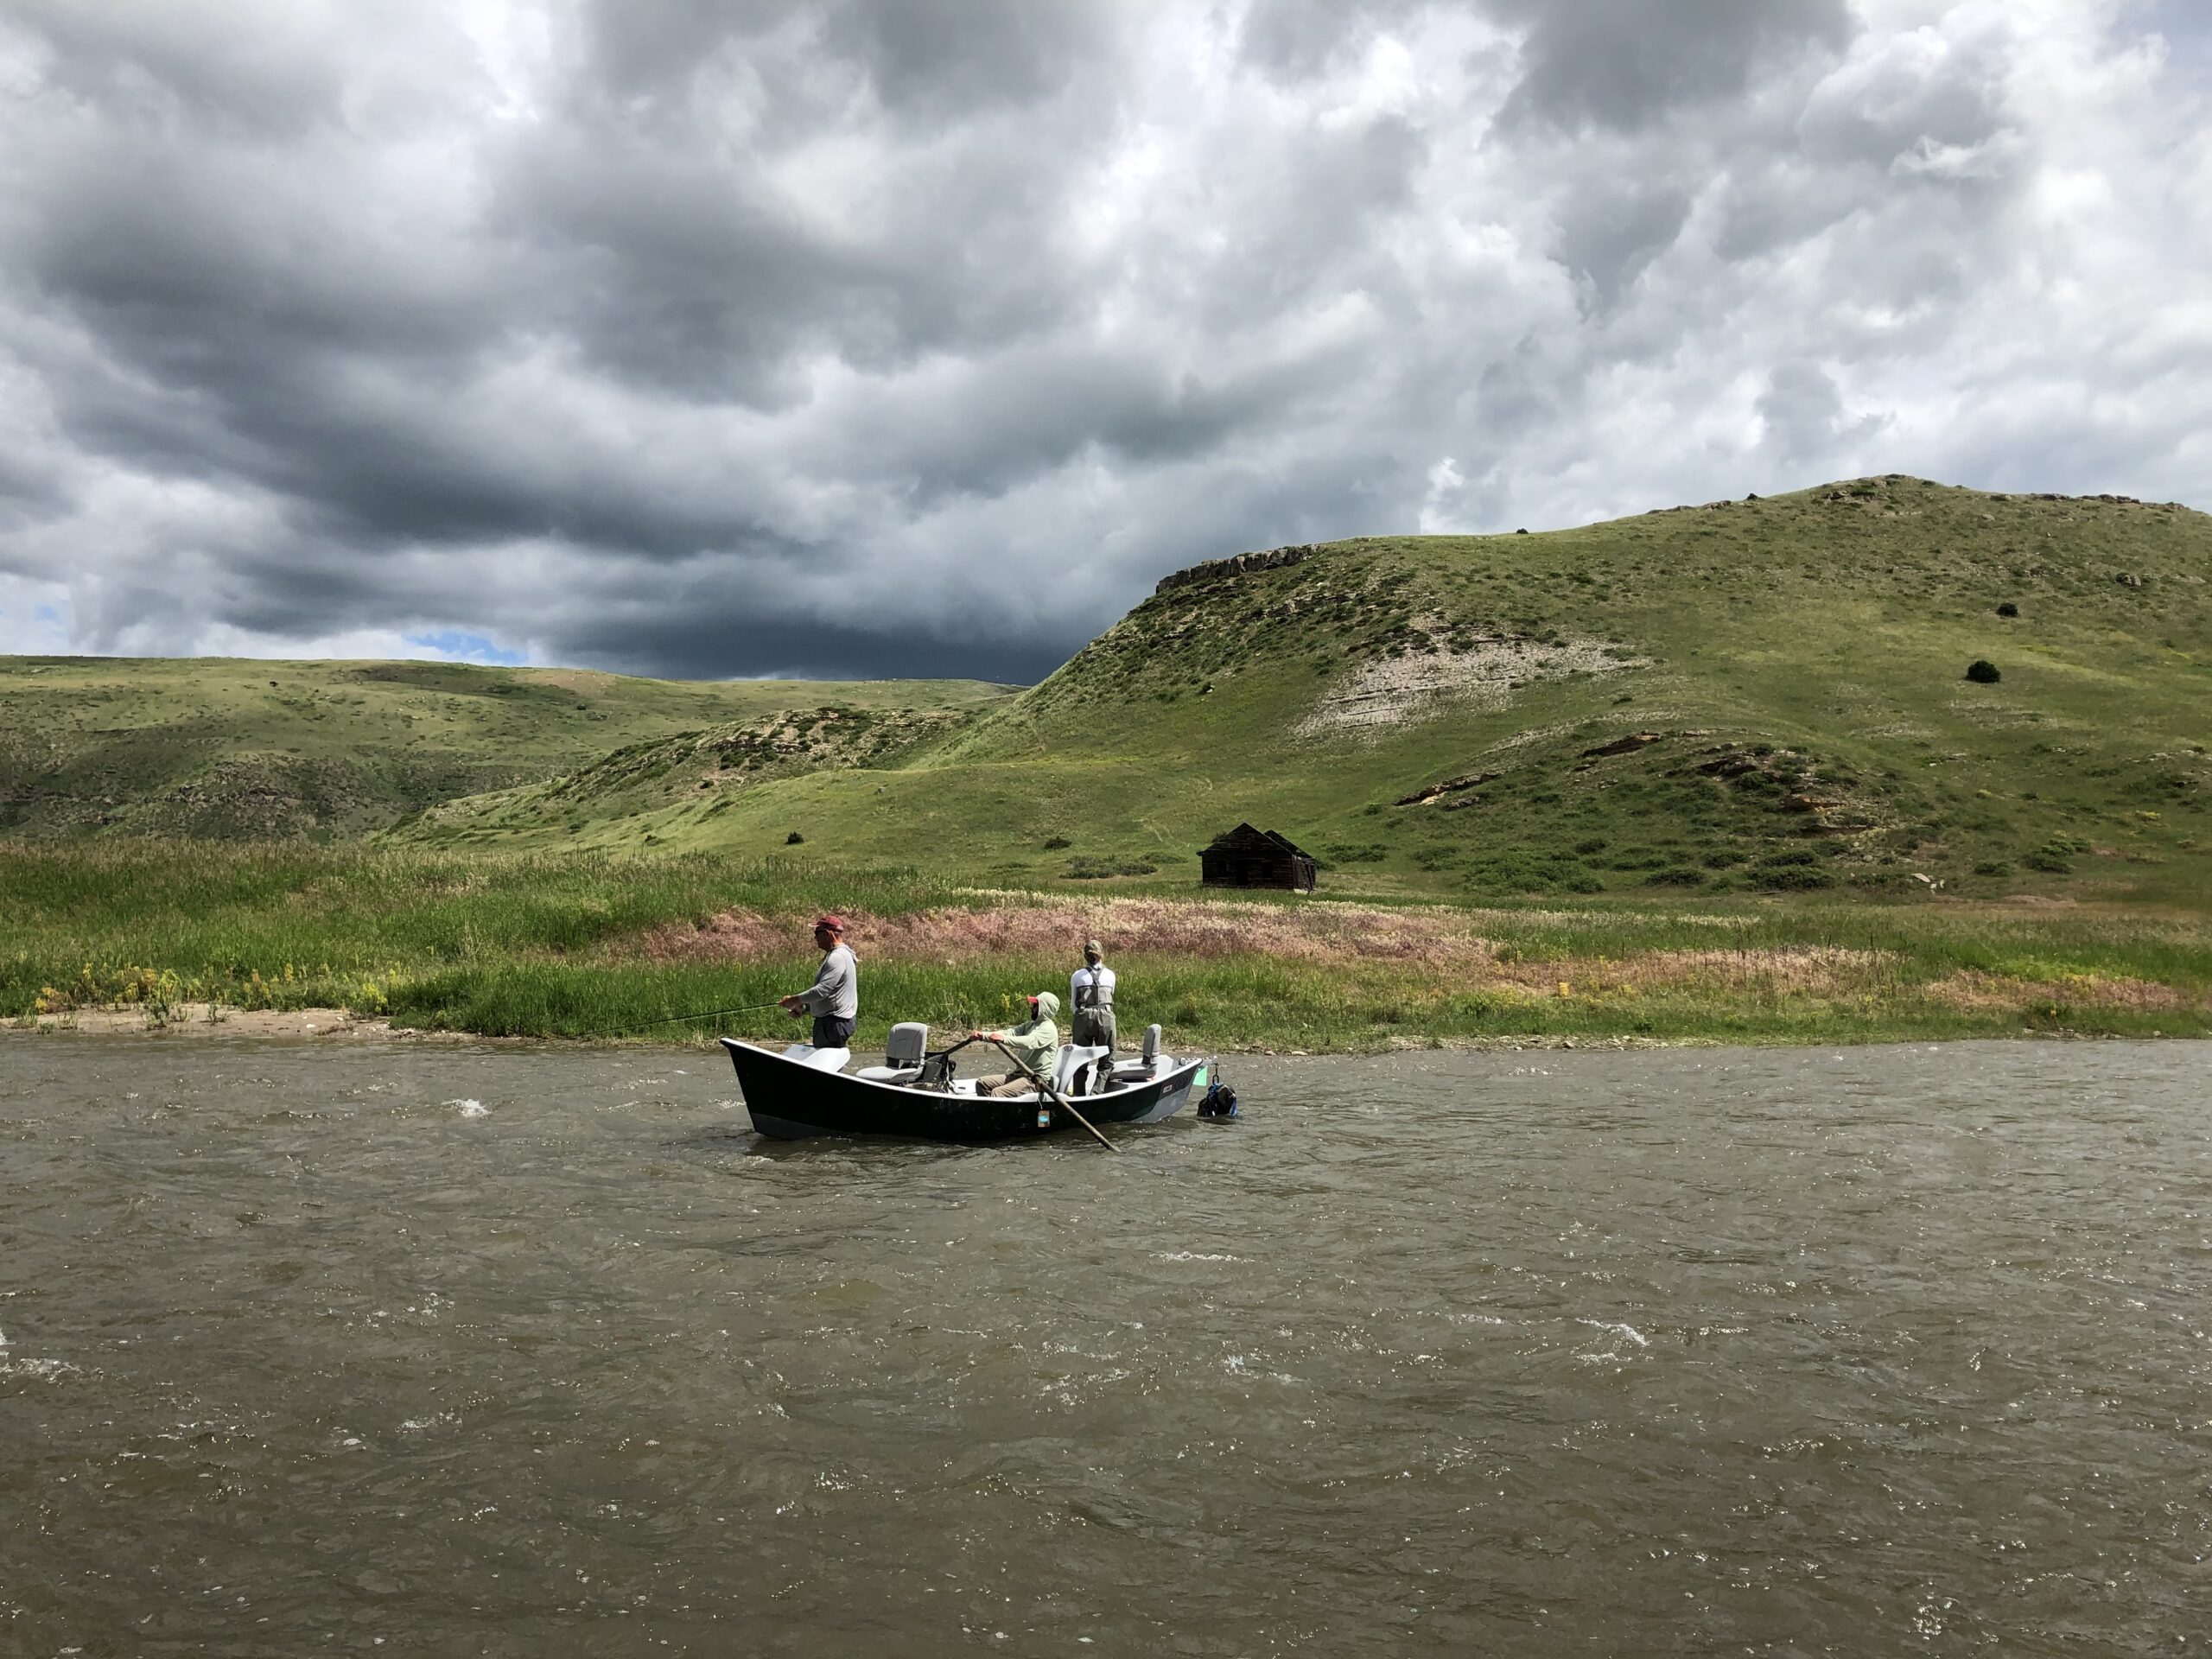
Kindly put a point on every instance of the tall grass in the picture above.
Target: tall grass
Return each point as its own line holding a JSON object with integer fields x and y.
{"x": 547, "y": 946}
{"x": 297, "y": 926}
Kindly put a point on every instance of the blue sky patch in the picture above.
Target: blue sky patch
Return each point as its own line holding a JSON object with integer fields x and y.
{"x": 466, "y": 648}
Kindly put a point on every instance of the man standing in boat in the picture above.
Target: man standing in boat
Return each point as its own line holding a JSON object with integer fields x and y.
{"x": 1091, "y": 996}
{"x": 1035, "y": 1043}
{"x": 835, "y": 1000}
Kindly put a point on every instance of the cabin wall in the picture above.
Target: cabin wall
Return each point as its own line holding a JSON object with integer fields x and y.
{"x": 1250, "y": 870}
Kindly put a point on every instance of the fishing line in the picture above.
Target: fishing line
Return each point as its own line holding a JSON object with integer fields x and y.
{"x": 710, "y": 1014}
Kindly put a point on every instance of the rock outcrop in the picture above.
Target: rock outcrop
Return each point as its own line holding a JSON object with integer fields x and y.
{"x": 1242, "y": 564}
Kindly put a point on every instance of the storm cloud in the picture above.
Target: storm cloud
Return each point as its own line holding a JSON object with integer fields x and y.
{"x": 863, "y": 337}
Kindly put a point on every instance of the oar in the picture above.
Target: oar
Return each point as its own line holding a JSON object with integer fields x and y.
{"x": 1051, "y": 1094}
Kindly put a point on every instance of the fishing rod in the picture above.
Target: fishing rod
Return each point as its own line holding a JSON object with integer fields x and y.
{"x": 711, "y": 1013}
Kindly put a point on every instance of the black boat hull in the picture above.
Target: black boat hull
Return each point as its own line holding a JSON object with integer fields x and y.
{"x": 789, "y": 1100}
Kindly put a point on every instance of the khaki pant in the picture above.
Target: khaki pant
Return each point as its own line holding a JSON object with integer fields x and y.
{"x": 1004, "y": 1083}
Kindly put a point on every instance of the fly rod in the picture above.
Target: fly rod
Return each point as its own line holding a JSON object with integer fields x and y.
{"x": 711, "y": 1013}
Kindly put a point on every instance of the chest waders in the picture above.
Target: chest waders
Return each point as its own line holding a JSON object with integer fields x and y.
{"x": 1093, "y": 1020}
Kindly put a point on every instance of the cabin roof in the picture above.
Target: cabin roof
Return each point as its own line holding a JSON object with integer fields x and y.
{"x": 1245, "y": 838}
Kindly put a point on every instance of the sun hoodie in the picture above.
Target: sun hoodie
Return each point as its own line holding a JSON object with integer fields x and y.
{"x": 1036, "y": 1040}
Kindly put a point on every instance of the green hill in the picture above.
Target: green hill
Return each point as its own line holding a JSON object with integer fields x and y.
{"x": 1761, "y": 695}
{"x": 221, "y": 748}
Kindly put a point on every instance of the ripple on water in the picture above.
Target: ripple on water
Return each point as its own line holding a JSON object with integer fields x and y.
{"x": 1644, "y": 1352}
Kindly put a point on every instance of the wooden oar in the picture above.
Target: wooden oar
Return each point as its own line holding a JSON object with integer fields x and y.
{"x": 1051, "y": 1094}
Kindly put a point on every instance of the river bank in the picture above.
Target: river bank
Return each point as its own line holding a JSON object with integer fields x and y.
{"x": 189, "y": 937}
{"x": 202, "y": 1020}
{"x": 189, "y": 1021}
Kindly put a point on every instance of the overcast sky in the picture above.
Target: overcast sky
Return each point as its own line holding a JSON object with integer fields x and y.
{"x": 875, "y": 337}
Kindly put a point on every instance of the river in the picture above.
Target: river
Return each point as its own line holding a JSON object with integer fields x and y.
{"x": 309, "y": 1349}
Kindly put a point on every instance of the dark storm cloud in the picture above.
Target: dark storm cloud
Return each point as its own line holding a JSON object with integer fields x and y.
{"x": 1624, "y": 64}
{"x": 1610, "y": 233}
{"x": 697, "y": 645}
{"x": 846, "y": 336}
{"x": 1298, "y": 39}
{"x": 928, "y": 58}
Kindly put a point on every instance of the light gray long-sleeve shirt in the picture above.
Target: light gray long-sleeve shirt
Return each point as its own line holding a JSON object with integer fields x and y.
{"x": 836, "y": 989}
{"x": 1098, "y": 980}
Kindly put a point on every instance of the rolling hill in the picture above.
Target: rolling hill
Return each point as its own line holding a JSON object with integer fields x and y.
{"x": 1754, "y": 695}
{"x": 232, "y": 750}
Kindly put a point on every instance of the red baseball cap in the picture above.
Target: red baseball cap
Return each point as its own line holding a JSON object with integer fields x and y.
{"x": 835, "y": 924}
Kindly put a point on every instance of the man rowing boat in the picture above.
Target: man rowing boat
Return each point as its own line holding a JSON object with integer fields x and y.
{"x": 834, "y": 1000}
{"x": 1034, "y": 1042}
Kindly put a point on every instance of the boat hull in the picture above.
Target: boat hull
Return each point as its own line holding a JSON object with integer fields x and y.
{"x": 789, "y": 1100}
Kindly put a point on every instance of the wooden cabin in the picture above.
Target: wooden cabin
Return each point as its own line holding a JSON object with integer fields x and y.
{"x": 1245, "y": 857}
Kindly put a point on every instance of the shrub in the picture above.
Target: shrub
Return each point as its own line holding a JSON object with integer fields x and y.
{"x": 794, "y": 839}
{"x": 1796, "y": 881}
{"x": 1981, "y": 671}
{"x": 1595, "y": 844}
{"x": 2008, "y": 608}
{"x": 1056, "y": 842}
{"x": 1993, "y": 867}
{"x": 1681, "y": 876}
{"x": 1723, "y": 859}
{"x": 1788, "y": 858}
{"x": 2055, "y": 856}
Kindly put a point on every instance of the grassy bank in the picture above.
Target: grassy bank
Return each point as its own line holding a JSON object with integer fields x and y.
{"x": 599, "y": 947}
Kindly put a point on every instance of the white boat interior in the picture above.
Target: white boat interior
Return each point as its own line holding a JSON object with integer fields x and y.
{"x": 1077, "y": 1070}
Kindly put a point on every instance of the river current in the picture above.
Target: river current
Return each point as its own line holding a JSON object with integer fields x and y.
{"x": 310, "y": 1348}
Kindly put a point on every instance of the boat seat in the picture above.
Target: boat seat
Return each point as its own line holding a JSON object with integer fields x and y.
{"x": 1076, "y": 1062}
{"x": 904, "y": 1051}
{"x": 1148, "y": 1062}
{"x": 822, "y": 1059}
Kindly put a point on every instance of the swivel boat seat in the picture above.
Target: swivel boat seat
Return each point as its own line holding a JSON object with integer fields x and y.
{"x": 1147, "y": 1062}
{"x": 903, "y": 1052}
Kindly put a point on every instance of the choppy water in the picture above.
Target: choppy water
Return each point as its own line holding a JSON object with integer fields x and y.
{"x": 311, "y": 1350}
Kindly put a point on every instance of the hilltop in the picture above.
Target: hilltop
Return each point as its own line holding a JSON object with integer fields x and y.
{"x": 1756, "y": 694}
{"x": 231, "y": 750}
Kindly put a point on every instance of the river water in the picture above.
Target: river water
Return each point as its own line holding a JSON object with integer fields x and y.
{"x": 312, "y": 1349}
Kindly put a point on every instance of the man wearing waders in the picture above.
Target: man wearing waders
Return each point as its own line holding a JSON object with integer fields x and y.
{"x": 1090, "y": 994}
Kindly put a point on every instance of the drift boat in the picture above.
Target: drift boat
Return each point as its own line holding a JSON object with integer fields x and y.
{"x": 805, "y": 1090}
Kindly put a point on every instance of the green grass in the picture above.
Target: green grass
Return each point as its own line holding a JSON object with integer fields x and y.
{"x": 336, "y": 751}
{"x": 550, "y": 946}
{"x": 1801, "y": 661}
